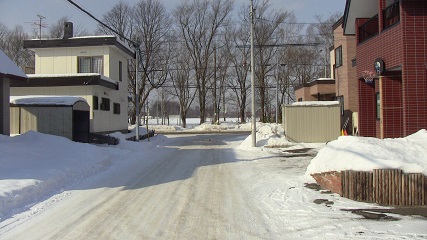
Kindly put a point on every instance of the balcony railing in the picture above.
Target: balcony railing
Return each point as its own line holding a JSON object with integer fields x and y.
{"x": 368, "y": 29}
{"x": 391, "y": 15}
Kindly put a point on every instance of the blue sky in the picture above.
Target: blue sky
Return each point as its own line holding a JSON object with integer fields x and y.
{"x": 24, "y": 12}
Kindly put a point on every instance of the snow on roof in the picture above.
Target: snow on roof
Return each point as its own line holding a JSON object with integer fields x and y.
{"x": 72, "y": 75}
{"x": 315, "y": 103}
{"x": 367, "y": 153}
{"x": 45, "y": 100}
{"x": 8, "y": 67}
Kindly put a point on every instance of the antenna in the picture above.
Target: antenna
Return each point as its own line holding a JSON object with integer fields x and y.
{"x": 39, "y": 23}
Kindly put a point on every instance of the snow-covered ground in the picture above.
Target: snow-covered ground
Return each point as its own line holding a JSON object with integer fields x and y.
{"x": 40, "y": 171}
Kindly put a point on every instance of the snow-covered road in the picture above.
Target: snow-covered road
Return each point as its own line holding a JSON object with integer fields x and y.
{"x": 201, "y": 187}
{"x": 189, "y": 191}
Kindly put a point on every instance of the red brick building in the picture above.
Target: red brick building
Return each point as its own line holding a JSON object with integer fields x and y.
{"x": 391, "y": 35}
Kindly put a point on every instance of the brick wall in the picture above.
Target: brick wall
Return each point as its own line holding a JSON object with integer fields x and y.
{"x": 392, "y": 105}
{"x": 345, "y": 75}
{"x": 367, "y": 112}
{"x": 403, "y": 47}
{"x": 329, "y": 180}
{"x": 414, "y": 24}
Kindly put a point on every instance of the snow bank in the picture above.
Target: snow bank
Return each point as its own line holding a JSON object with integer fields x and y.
{"x": 365, "y": 154}
{"x": 194, "y": 126}
{"x": 35, "y": 166}
{"x": 268, "y": 135}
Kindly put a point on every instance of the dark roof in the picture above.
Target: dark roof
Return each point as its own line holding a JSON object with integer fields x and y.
{"x": 58, "y": 81}
{"x": 357, "y": 9}
{"x": 8, "y": 69}
{"x": 315, "y": 82}
{"x": 13, "y": 77}
{"x": 78, "y": 42}
{"x": 338, "y": 23}
{"x": 345, "y": 17}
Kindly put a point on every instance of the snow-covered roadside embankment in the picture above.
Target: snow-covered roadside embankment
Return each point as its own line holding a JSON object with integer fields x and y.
{"x": 35, "y": 166}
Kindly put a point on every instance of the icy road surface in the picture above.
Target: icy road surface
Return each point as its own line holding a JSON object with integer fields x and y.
{"x": 202, "y": 187}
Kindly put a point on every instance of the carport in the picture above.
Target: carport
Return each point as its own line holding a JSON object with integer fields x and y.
{"x": 8, "y": 72}
{"x": 65, "y": 116}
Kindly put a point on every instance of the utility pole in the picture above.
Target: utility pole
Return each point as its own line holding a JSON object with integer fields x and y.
{"x": 214, "y": 90}
{"x": 277, "y": 93}
{"x": 136, "y": 95}
{"x": 253, "y": 77}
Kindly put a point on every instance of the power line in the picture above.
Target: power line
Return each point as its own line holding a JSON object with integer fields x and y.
{"x": 99, "y": 21}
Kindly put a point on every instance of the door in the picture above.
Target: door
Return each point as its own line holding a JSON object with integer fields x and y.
{"x": 81, "y": 126}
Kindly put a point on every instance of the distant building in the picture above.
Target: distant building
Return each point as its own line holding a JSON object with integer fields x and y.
{"x": 342, "y": 86}
{"x": 343, "y": 70}
{"x": 321, "y": 89}
{"x": 391, "y": 45}
{"x": 93, "y": 67}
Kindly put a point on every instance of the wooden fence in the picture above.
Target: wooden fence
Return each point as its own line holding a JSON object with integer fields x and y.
{"x": 385, "y": 187}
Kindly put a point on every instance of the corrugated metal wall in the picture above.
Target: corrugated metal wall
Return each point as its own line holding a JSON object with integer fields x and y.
{"x": 309, "y": 123}
{"x": 50, "y": 120}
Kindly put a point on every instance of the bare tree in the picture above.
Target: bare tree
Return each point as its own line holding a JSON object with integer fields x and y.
{"x": 199, "y": 22}
{"x": 56, "y": 30}
{"x": 239, "y": 56}
{"x": 268, "y": 26}
{"x": 223, "y": 73}
{"x": 120, "y": 18}
{"x": 286, "y": 60}
{"x": 13, "y": 46}
{"x": 3, "y": 35}
{"x": 323, "y": 32}
{"x": 152, "y": 25}
{"x": 182, "y": 77}
{"x": 146, "y": 25}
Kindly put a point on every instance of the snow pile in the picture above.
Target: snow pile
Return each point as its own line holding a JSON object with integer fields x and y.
{"x": 36, "y": 165}
{"x": 365, "y": 154}
{"x": 194, "y": 126}
{"x": 165, "y": 128}
{"x": 268, "y": 135}
{"x": 208, "y": 127}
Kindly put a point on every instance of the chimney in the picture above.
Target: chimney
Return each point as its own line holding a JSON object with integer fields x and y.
{"x": 68, "y": 30}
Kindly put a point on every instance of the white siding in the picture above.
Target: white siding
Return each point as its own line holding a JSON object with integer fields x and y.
{"x": 64, "y": 61}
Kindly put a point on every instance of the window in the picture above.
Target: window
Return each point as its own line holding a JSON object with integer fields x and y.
{"x": 95, "y": 103}
{"x": 378, "y": 106}
{"x": 299, "y": 99}
{"x": 120, "y": 71}
{"x": 116, "y": 108}
{"x": 368, "y": 29}
{"x": 391, "y": 15}
{"x": 90, "y": 65}
{"x": 105, "y": 104}
{"x": 338, "y": 57}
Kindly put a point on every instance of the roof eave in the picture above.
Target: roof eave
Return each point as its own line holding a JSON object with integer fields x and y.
{"x": 54, "y": 81}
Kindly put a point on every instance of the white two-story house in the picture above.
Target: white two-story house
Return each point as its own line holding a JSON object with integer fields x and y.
{"x": 93, "y": 67}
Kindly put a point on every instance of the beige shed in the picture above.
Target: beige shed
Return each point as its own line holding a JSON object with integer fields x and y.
{"x": 317, "y": 121}
{"x": 66, "y": 116}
